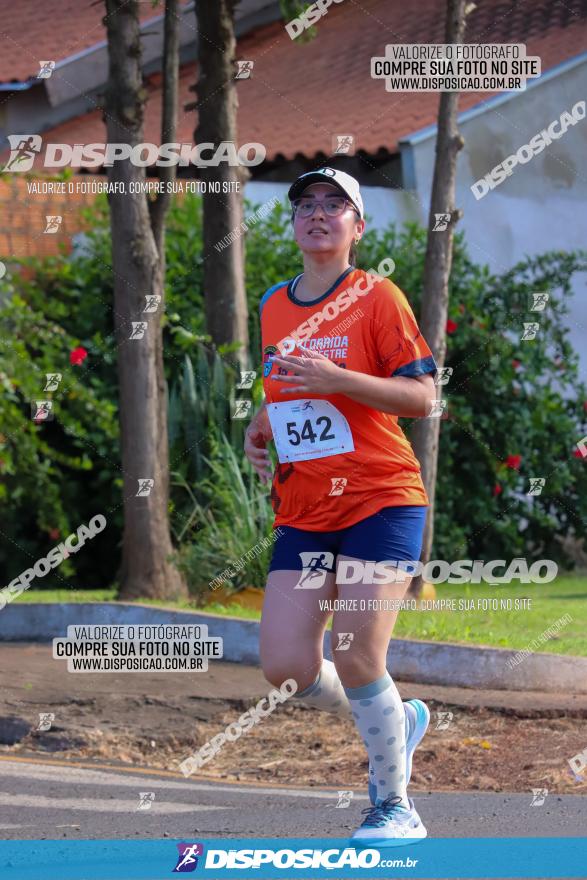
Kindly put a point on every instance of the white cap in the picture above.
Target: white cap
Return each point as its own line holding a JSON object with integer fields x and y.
{"x": 340, "y": 179}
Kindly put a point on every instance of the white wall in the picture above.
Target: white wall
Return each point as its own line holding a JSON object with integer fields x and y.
{"x": 382, "y": 206}
{"x": 543, "y": 204}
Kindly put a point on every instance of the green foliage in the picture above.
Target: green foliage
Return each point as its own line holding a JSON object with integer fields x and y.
{"x": 202, "y": 405}
{"x": 506, "y": 397}
{"x": 291, "y": 9}
{"x": 231, "y": 521}
{"x": 47, "y": 467}
{"x": 184, "y": 282}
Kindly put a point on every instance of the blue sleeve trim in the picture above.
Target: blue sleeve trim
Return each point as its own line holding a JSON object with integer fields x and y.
{"x": 271, "y": 290}
{"x": 417, "y": 368}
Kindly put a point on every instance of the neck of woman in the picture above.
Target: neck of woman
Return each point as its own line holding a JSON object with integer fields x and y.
{"x": 318, "y": 276}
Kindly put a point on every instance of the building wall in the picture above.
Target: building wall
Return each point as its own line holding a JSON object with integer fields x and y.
{"x": 382, "y": 206}
{"x": 543, "y": 204}
{"x": 22, "y": 214}
{"x": 23, "y": 218}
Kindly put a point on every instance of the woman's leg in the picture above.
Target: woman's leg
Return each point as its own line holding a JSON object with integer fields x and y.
{"x": 292, "y": 628}
{"x": 293, "y": 624}
{"x": 374, "y": 699}
{"x": 372, "y": 628}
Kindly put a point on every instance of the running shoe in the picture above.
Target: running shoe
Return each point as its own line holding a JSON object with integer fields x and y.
{"x": 389, "y": 823}
{"x": 417, "y": 720}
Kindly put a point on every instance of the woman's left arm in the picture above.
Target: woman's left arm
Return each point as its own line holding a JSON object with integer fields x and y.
{"x": 402, "y": 396}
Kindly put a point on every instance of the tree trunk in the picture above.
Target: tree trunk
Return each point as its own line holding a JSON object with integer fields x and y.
{"x": 425, "y": 432}
{"x": 138, "y": 272}
{"x": 169, "y": 100}
{"x": 159, "y": 206}
{"x": 224, "y": 276}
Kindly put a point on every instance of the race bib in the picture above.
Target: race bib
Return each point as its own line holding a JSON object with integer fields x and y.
{"x": 305, "y": 429}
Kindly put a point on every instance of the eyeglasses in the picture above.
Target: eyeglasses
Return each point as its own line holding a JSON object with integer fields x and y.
{"x": 332, "y": 205}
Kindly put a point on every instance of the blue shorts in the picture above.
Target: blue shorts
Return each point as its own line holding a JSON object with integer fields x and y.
{"x": 394, "y": 534}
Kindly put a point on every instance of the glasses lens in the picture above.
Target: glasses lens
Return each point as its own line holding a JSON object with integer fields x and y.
{"x": 332, "y": 206}
{"x": 304, "y": 207}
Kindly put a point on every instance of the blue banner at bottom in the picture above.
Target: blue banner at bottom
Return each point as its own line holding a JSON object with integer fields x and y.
{"x": 305, "y": 858}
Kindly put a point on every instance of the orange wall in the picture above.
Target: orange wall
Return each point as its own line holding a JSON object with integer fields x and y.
{"x": 22, "y": 217}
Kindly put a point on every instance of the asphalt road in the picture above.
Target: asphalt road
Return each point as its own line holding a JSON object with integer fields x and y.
{"x": 51, "y": 799}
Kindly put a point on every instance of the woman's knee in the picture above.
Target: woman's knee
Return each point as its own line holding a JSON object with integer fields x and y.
{"x": 280, "y": 668}
{"x": 356, "y": 669}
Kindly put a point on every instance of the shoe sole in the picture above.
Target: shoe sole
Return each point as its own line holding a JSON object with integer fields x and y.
{"x": 412, "y": 743}
{"x": 382, "y": 842}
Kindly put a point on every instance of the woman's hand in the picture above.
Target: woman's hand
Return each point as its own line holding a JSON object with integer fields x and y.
{"x": 313, "y": 374}
{"x": 257, "y": 435}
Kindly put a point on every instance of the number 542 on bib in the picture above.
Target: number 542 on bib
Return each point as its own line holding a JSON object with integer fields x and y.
{"x": 306, "y": 429}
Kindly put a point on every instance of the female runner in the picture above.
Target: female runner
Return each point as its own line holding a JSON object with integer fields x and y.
{"x": 343, "y": 358}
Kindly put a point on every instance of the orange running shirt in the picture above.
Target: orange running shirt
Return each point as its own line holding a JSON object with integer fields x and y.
{"x": 363, "y": 323}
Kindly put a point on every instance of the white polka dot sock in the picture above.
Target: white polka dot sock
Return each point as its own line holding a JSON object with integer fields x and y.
{"x": 379, "y": 715}
{"x": 326, "y": 692}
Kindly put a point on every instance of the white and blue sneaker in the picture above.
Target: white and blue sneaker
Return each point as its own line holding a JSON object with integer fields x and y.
{"x": 417, "y": 721}
{"x": 389, "y": 823}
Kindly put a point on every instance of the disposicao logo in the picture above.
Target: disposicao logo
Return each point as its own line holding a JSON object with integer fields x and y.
{"x": 187, "y": 859}
{"x": 25, "y": 147}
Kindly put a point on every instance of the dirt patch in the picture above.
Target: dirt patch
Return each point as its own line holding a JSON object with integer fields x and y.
{"x": 494, "y": 741}
{"x": 480, "y": 750}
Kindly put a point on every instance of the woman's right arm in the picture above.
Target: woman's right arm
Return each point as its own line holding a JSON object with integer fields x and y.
{"x": 257, "y": 435}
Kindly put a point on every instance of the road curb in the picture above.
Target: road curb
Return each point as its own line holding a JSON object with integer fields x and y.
{"x": 407, "y": 660}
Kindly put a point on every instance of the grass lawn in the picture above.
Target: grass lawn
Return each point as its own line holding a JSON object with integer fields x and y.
{"x": 498, "y": 628}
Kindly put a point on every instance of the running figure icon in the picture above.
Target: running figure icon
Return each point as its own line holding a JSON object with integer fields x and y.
{"x": 315, "y": 569}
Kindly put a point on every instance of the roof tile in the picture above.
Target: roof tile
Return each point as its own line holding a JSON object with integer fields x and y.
{"x": 300, "y": 95}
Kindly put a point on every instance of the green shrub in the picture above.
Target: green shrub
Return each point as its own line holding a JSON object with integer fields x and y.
{"x": 506, "y": 398}
{"x": 201, "y": 409}
{"x": 54, "y": 475}
{"x": 227, "y": 527}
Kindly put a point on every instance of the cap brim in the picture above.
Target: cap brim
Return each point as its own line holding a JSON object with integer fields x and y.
{"x": 297, "y": 188}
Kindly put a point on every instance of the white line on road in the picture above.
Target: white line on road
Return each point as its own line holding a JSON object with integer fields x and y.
{"x": 8, "y": 827}
{"x": 69, "y": 775}
{"x": 111, "y": 805}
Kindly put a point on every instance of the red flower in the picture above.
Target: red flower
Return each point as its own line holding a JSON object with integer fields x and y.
{"x": 78, "y": 355}
{"x": 497, "y": 490}
{"x": 54, "y": 534}
{"x": 451, "y": 326}
{"x": 578, "y": 454}
{"x": 516, "y": 364}
{"x": 513, "y": 461}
